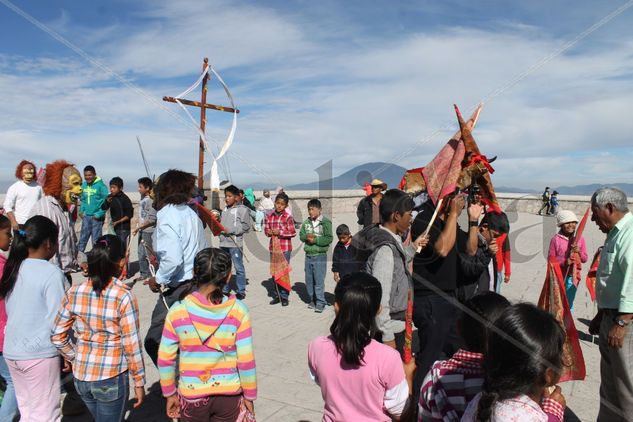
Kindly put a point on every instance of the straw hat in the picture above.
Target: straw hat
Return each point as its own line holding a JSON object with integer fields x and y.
{"x": 378, "y": 182}
{"x": 565, "y": 216}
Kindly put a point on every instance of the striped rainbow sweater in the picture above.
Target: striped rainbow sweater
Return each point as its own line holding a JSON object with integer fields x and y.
{"x": 215, "y": 345}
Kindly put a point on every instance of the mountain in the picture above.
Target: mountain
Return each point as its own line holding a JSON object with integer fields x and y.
{"x": 590, "y": 189}
{"x": 355, "y": 178}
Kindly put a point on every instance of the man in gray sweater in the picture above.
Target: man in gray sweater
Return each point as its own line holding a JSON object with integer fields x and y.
{"x": 236, "y": 219}
{"x": 389, "y": 262}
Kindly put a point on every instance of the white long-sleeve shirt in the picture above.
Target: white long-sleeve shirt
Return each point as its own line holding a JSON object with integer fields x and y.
{"x": 178, "y": 237}
{"x": 20, "y": 199}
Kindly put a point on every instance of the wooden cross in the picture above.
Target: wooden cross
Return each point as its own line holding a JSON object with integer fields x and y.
{"x": 203, "y": 118}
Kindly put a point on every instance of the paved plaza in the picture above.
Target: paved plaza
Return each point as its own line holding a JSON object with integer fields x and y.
{"x": 281, "y": 335}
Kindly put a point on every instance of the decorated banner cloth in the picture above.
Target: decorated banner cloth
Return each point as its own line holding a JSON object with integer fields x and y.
{"x": 279, "y": 267}
{"x": 215, "y": 177}
{"x": 591, "y": 275}
{"x": 576, "y": 263}
{"x": 441, "y": 174}
{"x": 408, "y": 329}
{"x": 207, "y": 216}
{"x": 554, "y": 301}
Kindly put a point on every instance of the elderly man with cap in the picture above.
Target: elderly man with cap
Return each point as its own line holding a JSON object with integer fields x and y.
{"x": 368, "y": 209}
{"x": 562, "y": 246}
{"x": 614, "y": 295}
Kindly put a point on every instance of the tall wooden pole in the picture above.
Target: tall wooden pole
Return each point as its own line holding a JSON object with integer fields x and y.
{"x": 203, "y": 123}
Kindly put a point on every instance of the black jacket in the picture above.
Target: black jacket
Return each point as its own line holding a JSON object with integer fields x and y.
{"x": 474, "y": 275}
{"x": 345, "y": 260}
{"x": 364, "y": 211}
{"x": 120, "y": 206}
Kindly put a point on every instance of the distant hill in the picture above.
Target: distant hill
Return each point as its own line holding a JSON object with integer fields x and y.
{"x": 590, "y": 189}
{"x": 355, "y": 178}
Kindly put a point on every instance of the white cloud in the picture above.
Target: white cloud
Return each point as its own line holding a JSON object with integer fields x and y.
{"x": 311, "y": 91}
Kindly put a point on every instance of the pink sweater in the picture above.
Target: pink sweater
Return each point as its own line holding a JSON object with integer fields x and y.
{"x": 3, "y": 311}
{"x": 559, "y": 247}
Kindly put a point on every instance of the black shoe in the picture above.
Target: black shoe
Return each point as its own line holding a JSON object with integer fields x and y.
{"x": 284, "y": 302}
{"x": 318, "y": 310}
{"x": 311, "y": 305}
{"x": 240, "y": 296}
{"x": 275, "y": 301}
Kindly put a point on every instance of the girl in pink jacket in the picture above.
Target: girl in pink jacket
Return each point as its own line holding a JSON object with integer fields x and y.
{"x": 562, "y": 246}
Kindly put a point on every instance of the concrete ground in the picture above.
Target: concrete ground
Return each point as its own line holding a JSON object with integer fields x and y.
{"x": 281, "y": 335}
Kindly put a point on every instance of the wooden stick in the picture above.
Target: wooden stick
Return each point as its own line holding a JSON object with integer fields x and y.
{"x": 199, "y": 104}
{"x": 428, "y": 228}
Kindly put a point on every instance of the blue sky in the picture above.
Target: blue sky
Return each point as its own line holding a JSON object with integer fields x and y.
{"x": 353, "y": 81}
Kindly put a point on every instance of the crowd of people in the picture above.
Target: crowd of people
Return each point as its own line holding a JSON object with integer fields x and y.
{"x": 477, "y": 356}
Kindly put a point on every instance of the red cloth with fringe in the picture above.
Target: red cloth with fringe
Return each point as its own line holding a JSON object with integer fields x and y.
{"x": 554, "y": 301}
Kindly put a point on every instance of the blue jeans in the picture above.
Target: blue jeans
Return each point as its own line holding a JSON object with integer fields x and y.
{"x": 570, "y": 290}
{"x": 89, "y": 228}
{"x": 9, "y": 403}
{"x": 143, "y": 265}
{"x": 105, "y": 399}
{"x": 237, "y": 257}
{"x": 499, "y": 282}
{"x": 315, "y": 269}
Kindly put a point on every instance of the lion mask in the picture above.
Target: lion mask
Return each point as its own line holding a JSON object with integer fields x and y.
{"x": 63, "y": 182}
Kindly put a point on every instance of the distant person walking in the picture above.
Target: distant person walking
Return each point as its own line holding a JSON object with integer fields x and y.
{"x": 546, "y": 204}
{"x": 368, "y": 211}
{"x": 553, "y": 201}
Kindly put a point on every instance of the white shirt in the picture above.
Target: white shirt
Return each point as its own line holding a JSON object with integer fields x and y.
{"x": 178, "y": 237}
{"x": 20, "y": 199}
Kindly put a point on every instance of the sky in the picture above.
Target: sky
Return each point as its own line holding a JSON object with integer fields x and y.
{"x": 348, "y": 81}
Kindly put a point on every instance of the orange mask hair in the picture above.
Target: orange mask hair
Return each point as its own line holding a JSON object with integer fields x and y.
{"x": 61, "y": 181}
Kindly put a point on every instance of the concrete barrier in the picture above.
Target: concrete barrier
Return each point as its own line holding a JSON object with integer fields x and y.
{"x": 346, "y": 201}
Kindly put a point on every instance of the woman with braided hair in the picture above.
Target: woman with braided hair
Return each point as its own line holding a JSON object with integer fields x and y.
{"x": 207, "y": 346}
{"x": 523, "y": 360}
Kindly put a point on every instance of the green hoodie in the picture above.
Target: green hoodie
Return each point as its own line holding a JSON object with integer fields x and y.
{"x": 323, "y": 232}
{"x": 92, "y": 197}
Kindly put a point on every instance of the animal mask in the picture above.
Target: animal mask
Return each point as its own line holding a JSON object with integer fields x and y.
{"x": 71, "y": 185}
{"x": 28, "y": 173}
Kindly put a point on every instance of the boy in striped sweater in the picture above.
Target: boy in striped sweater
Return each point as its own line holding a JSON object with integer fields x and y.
{"x": 207, "y": 338}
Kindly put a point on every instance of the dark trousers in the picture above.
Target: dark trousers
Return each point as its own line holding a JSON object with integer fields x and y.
{"x": 155, "y": 332}
{"x": 211, "y": 409}
{"x": 435, "y": 317}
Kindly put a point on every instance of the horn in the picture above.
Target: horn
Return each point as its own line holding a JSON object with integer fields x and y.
{"x": 492, "y": 159}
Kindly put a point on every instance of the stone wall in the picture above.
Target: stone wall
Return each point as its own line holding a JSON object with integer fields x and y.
{"x": 346, "y": 201}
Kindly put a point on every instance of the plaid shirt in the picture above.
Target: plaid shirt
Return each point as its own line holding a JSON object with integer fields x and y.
{"x": 286, "y": 226}
{"x": 449, "y": 386}
{"x": 452, "y": 384}
{"x": 107, "y": 331}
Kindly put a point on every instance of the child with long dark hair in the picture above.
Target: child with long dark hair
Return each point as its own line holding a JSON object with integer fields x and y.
{"x": 33, "y": 289}
{"x": 523, "y": 360}
{"x": 207, "y": 348}
{"x": 9, "y": 405}
{"x": 104, "y": 316}
{"x": 451, "y": 384}
{"x": 360, "y": 378}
